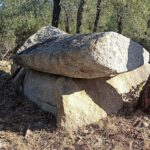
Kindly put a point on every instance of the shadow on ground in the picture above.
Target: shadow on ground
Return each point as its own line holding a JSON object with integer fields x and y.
{"x": 17, "y": 114}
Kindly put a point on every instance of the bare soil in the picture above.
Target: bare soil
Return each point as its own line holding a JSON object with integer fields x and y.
{"x": 23, "y": 126}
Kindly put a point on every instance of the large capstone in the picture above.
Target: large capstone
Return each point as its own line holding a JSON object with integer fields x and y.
{"x": 85, "y": 55}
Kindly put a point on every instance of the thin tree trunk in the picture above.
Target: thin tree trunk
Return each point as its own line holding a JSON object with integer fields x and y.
{"x": 67, "y": 23}
{"x": 97, "y": 15}
{"x": 80, "y": 15}
{"x": 121, "y": 17}
{"x": 56, "y": 13}
{"x": 144, "y": 40}
{"x": 148, "y": 27}
{"x": 67, "y": 20}
{"x": 120, "y": 24}
{"x": 148, "y": 24}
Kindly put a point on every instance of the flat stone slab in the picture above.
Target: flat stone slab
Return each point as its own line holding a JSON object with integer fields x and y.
{"x": 85, "y": 55}
{"x": 79, "y": 102}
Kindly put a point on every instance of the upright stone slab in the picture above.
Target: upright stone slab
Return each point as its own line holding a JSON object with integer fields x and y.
{"x": 40, "y": 88}
{"x": 79, "y": 102}
{"x": 130, "y": 84}
{"x": 75, "y": 107}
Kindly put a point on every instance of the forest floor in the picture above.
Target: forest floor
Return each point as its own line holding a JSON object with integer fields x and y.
{"x": 23, "y": 126}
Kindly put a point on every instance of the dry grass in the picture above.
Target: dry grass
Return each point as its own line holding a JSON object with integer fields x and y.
{"x": 23, "y": 126}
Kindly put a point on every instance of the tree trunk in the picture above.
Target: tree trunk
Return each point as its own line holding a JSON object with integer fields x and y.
{"x": 148, "y": 27}
{"x": 80, "y": 16}
{"x": 67, "y": 20}
{"x": 119, "y": 23}
{"x": 148, "y": 24}
{"x": 56, "y": 13}
{"x": 97, "y": 15}
{"x": 67, "y": 23}
{"x": 121, "y": 17}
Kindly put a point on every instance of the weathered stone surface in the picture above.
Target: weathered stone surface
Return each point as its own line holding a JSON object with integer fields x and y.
{"x": 45, "y": 33}
{"x": 40, "y": 88}
{"x": 18, "y": 80}
{"x": 79, "y": 102}
{"x": 40, "y": 36}
{"x": 101, "y": 93}
{"x": 130, "y": 84}
{"x": 85, "y": 55}
{"x": 75, "y": 107}
{"x": 109, "y": 94}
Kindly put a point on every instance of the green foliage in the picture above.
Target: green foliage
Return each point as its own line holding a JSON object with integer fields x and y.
{"x": 21, "y": 18}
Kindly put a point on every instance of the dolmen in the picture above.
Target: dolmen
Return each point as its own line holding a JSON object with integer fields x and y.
{"x": 81, "y": 78}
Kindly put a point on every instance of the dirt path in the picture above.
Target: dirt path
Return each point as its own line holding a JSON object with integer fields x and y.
{"x": 23, "y": 126}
